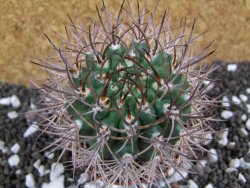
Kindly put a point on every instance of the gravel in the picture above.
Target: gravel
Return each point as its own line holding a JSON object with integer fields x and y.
{"x": 21, "y": 144}
{"x": 22, "y": 164}
{"x": 233, "y": 149}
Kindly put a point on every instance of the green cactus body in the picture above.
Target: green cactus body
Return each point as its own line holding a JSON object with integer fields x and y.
{"x": 124, "y": 85}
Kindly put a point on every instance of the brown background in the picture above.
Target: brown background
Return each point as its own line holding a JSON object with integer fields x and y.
{"x": 23, "y": 22}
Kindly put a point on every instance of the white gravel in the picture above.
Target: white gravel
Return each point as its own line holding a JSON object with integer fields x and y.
{"x": 210, "y": 185}
{"x": 15, "y": 148}
{"x": 14, "y": 160}
{"x": 94, "y": 184}
{"x": 37, "y": 163}
{"x": 248, "y": 124}
{"x": 57, "y": 170}
{"x": 244, "y": 164}
{"x": 223, "y": 137}
{"x": 49, "y": 155}
{"x": 115, "y": 46}
{"x": 84, "y": 177}
{"x": 12, "y": 115}
{"x": 18, "y": 172}
{"x": 201, "y": 165}
{"x": 33, "y": 106}
{"x": 242, "y": 178}
{"x": 30, "y": 181}
{"x": 243, "y": 117}
{"x": 230, "y": 170}
{"x": 248, "y": 108}
{"x": 57, "y": 183}
{"x": 42, "y": 171}
{"x": 3, "y": 148}
{"x": 31, "y": 130}
{"x": 231, "y": 145}
{"x": 192, "y": 184}
{"x": 40, "y": 168}
{"x": 178, "y": 176}
{"x": 15, "y": 102}
{"x": 56, "y": 176}
{"x": 226, "y": 114}
{"x": 5, "y": 101}
{"x": 231, "y": 67}
{"x": 2, "y": 145}
{"x": 208, "y": 139}
{"x": 225, "y": 102}
{"x": 236, "y": 100}
{"x": 234, "y": 163}
{"x": 212, "y": 156}
{"x": 243, "y": 132}
{"x": 248, "y": 90}
{"x": 243, "y": 97}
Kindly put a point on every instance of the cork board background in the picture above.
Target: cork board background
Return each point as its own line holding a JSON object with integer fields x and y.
{"x": 23, "y": 22}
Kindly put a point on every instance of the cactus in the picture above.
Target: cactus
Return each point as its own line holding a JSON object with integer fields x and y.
{"x": 127, "y": 97}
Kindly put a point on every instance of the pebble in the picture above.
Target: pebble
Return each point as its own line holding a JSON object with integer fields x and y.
{"x": 94, "y": 184}
{"x": 119, "y": 186}
{"x": 243, "y": 97}
{"x": 15, "y": 102}
{"x": 170, "y": 171}
{"x": 231, "y": 170}
{"x": 226, "y": 114}
{"x": 225, "y": 102}
{"x": 243, "y": 132}
{"x": 210, "y": 185}
{"x": 234, "y": 163}
{"x": 30, "y": 181}
{"x": 161, "y": 184}
{"x": 57, "y": 183}
{"x": 42, "y": 171}
{"x": 212, "y": 156}
{"x": 14, "y": 160}
{"x": 33, "y": 106}
{"x": 236, "y": 100}
{"x": 2, "y": 145}
{"x": 201, "y": 165}
{"x": 37, "y": 163}
{"x": 231, "y": 67}
{"x": 208, "y": 139}
{"x": 18, "y": 172}
{"x": 243, "y": 117}
{"x": 248, "y": 124}
{"x": 56, "y": 170}
{"x": 248, "y": 90}
{"x": 241, "y": 178}
{"x": 5, "y": 101}
{"x": 248, "y": 108}
{"x": 192, "y": 184}
{"x": 84, "y": 177}
{"x": 177, "y": 176}
{"x": 12, "y": 115}
{"x": 49, "y": 155}
{"x": 231, "y": 145}
{"x": 244, "y": 164}
{"x": 15, "y": 148}
{"x": 223, "y": 137}
{"x": 31, "y": 130}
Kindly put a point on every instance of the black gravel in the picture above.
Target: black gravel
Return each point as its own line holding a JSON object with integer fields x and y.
{"x": 11, "y": 132}
{"x": 231, "y": 84}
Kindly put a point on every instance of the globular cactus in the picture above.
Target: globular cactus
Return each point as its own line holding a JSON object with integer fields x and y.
{"x": 126, "y": 98}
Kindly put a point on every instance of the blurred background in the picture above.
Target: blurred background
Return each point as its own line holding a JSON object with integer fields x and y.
{"x": 24, "y": 22}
